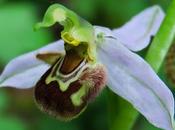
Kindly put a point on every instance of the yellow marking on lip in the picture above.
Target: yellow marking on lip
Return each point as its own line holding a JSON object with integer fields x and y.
{"x": 76, "y": 98}
{"x": 63, "y": 85}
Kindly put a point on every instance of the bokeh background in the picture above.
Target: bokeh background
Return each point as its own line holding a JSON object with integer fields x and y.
{"x": 17, "y": 17}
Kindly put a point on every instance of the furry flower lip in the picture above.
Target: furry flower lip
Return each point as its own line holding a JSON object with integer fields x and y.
{"x": 69, "y": 85}
{"x": 71, "y": 72}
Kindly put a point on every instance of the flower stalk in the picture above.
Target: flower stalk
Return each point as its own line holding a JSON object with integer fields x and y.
{"x": 163, "y": 40}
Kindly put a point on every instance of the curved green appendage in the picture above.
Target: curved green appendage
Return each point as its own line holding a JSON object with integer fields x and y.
{"x": 76, "y": 30}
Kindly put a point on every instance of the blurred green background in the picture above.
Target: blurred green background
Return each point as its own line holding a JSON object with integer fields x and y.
{"x": 17, "y": 17}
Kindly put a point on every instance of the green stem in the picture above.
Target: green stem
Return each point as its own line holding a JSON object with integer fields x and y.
{"x": 162, "y": 41}
{"x": 122, "y": 115}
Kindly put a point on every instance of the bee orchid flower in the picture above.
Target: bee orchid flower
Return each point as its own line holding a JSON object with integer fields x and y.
{"x": 71, "y": 72}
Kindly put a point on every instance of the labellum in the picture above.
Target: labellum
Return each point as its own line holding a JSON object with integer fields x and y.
{"x": 70, "y": 84}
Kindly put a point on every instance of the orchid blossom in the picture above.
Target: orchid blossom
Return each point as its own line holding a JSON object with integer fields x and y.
{"x": 71, "y": 72}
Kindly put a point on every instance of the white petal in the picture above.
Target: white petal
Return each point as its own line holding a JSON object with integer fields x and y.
{"x": 25, "y": 70}
{"x": 136, "y": 34}
{"x": 133, "y": 79}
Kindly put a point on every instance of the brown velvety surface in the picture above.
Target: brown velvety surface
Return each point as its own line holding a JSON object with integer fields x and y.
{"x": 55, "y": 102}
